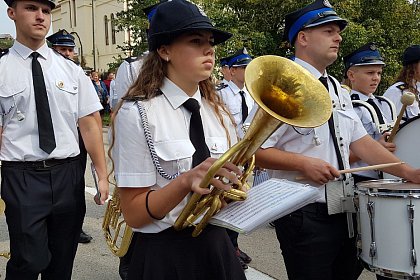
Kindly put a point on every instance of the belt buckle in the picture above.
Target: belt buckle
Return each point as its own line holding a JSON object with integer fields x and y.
{"x": 44, "y": 164}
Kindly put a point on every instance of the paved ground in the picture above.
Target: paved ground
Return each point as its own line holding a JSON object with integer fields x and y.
{"x": 95, "y": 261}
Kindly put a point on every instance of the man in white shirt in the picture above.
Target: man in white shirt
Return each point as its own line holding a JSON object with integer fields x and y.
{"x": 235, "y": 96}
{"x": 310, "y": 236}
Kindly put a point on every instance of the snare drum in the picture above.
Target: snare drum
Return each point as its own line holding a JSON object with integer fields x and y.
{"x": 389, "y": 227}
{"x": 406, "y": 140}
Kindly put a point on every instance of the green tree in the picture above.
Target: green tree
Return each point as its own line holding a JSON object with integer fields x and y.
{"x": 258, "y": 25}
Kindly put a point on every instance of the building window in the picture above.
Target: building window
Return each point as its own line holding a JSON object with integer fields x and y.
{"x": 106, "y": 30}
{"x": 74, "y": 13}
{"x": 113, "y": 31}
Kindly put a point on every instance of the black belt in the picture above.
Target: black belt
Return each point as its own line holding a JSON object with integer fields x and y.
{"x": 40, "y": 164}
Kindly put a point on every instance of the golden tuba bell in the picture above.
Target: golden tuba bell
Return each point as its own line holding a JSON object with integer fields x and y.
{"x": 285, "y": 93}
{"x": 117, "y": 233}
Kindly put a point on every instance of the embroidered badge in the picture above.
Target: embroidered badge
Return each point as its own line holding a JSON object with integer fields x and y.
{"x": 327, "y": 4}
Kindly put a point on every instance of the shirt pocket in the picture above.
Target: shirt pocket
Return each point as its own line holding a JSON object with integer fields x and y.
{"x": 217, "y": 146}
{"x": 11, "y": 98}
{"x": 175, "y": 155}
{"x": 66, "y": 95}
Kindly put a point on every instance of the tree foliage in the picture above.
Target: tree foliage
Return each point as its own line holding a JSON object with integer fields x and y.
{"x": 258, "y": 25}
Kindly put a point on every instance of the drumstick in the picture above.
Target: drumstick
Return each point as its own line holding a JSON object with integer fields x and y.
{"x": 406, "y": 99}
{"x": 357, "y": 169}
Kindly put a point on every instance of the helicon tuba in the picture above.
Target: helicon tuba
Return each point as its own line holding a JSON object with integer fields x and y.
{"x": 285, "y": 93}
{"x": 117, "y": 233}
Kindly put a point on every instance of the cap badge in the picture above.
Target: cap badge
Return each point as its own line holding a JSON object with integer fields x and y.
{"x": 327, "y": 4}
{"x": 372, "y": 47}
{"x": 245, "y": 51}
{"x": 214, "y": 147}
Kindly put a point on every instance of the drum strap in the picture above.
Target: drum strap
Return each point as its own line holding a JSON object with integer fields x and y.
{"x": 337, "y": 192}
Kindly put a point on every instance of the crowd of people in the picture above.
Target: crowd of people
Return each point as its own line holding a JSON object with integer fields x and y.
{"x": 170, "y": 123}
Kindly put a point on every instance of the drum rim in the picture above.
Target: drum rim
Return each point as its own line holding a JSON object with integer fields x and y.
{"x": 380, "y": 190}
{"x": 408, "y": 122}
{"x": 388, "y": 272}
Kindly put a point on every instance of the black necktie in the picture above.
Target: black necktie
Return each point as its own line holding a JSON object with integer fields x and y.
{"x": 244, "y": 106}
{"x": 378, "y": 112}
{"x": 196, "y": 132}
{"x": 45, "y": 126}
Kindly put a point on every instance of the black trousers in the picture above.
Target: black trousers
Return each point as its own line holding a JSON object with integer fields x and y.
{"x": 316, "y": 246}
{"x": 233, "y": 236}
{"x": 44, "y": 214}
{"x": 176, "y": 255}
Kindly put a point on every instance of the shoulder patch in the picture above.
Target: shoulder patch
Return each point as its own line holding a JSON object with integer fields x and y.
{"x": 3, "y": 52}
{"x": 402, "y": 87}
{"x": 66, "y": 57}
{"x": 221, "y": 86}
{"x": 131, "y": 59}
{"x": 354, "y": 96}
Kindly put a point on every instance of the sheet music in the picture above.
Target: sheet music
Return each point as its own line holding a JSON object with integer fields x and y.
{"x": 267, "y": 201}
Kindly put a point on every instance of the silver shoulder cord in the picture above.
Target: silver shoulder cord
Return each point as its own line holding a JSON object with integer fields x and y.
{"x": 151, "y": 145}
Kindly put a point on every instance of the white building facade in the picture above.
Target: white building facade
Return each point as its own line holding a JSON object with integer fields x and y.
{"x": 92, "y": 24}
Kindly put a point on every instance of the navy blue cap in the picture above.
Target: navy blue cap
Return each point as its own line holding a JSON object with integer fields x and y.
{"x": 49, "y": 2}
{"x": 151, "y": 10}
{"x": 224, "y": 61}
{"x": 411, "y": 55}
{"x": 175, "y": 17}
{"x": 365, "y": 55}
{"x": 61, "y": 38}
{"x": 318, "y": 13}
{"x": 240, "y": 58}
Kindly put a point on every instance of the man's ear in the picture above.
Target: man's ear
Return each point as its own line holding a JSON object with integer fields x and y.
{"x": 11, "y": 13}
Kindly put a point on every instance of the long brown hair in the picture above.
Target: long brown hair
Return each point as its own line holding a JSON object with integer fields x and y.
{"x": 148, "y": 83}
{"x": 406, "y": 76}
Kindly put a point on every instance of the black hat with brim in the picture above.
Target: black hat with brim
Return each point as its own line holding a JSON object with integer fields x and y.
{"x": 411, "y": 55}
{"x": 316, "y": 14}
{"x": 49, "y": 2}
{"x": 176, "y": 17}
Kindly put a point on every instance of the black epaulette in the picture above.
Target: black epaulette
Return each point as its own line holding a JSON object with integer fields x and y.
{"x": 3, "y": 52}
{"x": 57, "y": 52}
{"x": 131, "y": 59}
{"x": 221, "y": 86}
{"x": 354, "y": 96}
{"x": 134, "y": 98}
{"x": 402, "y": 87}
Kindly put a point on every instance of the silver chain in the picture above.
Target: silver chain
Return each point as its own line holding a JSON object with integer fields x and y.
{"x": 150, "y": 144}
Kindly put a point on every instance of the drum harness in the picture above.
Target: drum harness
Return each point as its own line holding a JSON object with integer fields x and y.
{"x": 339, "y": 194}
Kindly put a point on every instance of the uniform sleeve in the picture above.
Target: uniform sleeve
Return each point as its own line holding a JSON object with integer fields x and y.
{"x": 123, "y": 80}
{"x": 88, "y": 99}
{"x": 133, "y": 164}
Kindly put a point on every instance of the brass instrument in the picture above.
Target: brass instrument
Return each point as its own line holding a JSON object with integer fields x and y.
{"x": 285, "y": 93}
{"x": 117, "y": 233}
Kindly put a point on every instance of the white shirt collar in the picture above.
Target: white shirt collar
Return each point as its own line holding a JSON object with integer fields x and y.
{"x": 234, "y": 87}
{"x": 310, "y": 68}
{"x": 175, "y": 95}
{"x": 25, "y": 52}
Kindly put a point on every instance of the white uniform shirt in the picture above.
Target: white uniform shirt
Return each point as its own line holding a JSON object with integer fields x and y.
{"x": 369, "y": 125}
{"x": 169, "y": 125}
{"x": 71, "y": 96}
{"x": 287, "y": 138}
{"x": 233, "y": 101}
{"x": 394, "y": 94}
{"x": 126, "y": 75}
